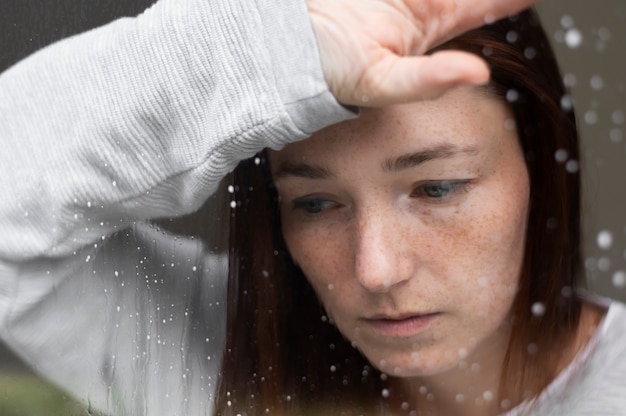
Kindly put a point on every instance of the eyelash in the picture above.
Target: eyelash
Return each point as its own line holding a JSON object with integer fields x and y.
{"x": 315, "y": 206}
{"x": 451, "y": 188}
{"x": 305, "y": 204}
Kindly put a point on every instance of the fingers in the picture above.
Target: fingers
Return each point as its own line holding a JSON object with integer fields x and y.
{"x": 398, "y": 80}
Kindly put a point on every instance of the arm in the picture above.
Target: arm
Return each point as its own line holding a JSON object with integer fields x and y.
{"x": 143, "y": 117}
{"x": 139, "y": 119}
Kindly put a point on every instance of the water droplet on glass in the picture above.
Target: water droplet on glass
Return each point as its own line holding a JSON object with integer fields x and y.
{"x": 489, "y": 19}
{"x": 538, "y": 309}
{"x": 616, "y": 135}
{"x": 532, "y": 348}
{"x": 257, "y": 160}
{"x": 569, "y": 80}
{"x": 573, "y": 38}
{"x": 560, "y": 155}
{"x": 572, "y": 166}
{"x": 333, "y": 368}
{"x": 233, "y": 204}
{"x": 604, "y": 34}
{"x": 512, "y": 95}
{"x": 385, "y": 393}
{"x": 331, "y": 286}
{"x": 617, "y": 117}
{"x": 231, "y": 189}
{"x": 530, "y": 52}
{"x": 567, "y": 21}
{"x": 512, "y": 36}
{"x": 619, "y": 279}
{"x": 567, "y": 103}
{"x": 604, "y": 264}
{"x": 488, "y": 396}
{"x": 460, "y": 398}
{"x": 567, "y": 292}
{"x": 596, "y": 82}
{"x": 605, "y": 239}
{"x": 591, "y": 117}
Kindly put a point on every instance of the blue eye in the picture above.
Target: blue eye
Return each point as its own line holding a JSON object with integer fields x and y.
{"x": 313, "y": 205}
{"x": 440, "y": 190}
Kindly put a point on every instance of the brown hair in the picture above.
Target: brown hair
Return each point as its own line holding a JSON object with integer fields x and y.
{"x": 283, "y": 355}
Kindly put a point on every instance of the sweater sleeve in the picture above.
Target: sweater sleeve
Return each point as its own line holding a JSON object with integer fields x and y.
{"x": 141, "y": 118}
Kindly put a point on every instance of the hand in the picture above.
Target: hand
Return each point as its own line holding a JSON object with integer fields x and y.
{"x": 370, "y": 49}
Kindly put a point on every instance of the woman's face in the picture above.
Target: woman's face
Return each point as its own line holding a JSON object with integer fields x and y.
{"x": 410, "y": 223}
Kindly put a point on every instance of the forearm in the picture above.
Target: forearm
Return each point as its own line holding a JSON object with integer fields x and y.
{"x": 143, "y": 117}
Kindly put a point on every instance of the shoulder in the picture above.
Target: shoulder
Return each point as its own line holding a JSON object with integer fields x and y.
{"x": 602, "y": 387}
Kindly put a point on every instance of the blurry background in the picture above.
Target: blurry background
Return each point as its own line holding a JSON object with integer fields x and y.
{"x": 590, "y": 41}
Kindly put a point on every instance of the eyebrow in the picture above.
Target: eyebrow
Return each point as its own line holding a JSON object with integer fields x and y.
{"x": 396, "y": 164}
{"x": 301, "y": 170}
{"x": 411, "y": 160}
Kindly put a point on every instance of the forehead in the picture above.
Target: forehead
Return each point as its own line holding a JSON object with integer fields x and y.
{"x": 462, "y": 118}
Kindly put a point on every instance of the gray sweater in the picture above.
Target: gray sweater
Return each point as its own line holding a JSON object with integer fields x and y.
{"x": 141, "y": 119}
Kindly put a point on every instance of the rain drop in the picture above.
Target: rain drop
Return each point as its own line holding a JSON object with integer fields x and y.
{"x": 573, "y": 38}
{"x": 619, "y": 279}
{"x": 605, "y": 239}
{"x": 512, "y": 36}
{"x": 604, "y": 264}
{"x": 233, "y": 204}
{"x": 512, "y": 96}
{"x": 569, "y": 80}
{"x": 331, "y": 286}
{"x": 530, "y": 52}
{"x": 616, "y": 135}
{"x": 385, "y": 393}
{"x": 560, "y": 155}
{"x": 538, "y": 309}
{"x": 618, "y": 117}
{"x": 231, "y": 189}
{"x": 567, "y": 103}
{"x": 460, "y": 398}
{"x": 572, "y": 166}
{"x": 591, "y": 117}
{"x": 596, "y": 82}
{"x": 567, "y": 21}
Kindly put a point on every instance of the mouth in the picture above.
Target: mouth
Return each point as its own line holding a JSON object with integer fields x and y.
{"x": 405, "y": 325}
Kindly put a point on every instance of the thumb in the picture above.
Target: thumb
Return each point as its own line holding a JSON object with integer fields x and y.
{"x": 424, "y": 77}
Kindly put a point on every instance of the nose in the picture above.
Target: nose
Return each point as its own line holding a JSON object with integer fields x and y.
{"x": 384, "y": 257}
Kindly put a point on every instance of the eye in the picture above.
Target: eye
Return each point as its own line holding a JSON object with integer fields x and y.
{"x": 313, "y": 205}
{"x": 440, "y": 190}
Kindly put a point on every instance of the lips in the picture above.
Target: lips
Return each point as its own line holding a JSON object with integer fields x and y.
{"x": 405, "y": 325}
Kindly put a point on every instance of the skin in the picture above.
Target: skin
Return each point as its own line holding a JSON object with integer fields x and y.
{"x": 417, "y": 262}
{"x": 372, "y": 50}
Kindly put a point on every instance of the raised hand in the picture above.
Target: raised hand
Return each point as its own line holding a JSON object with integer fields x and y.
{"x": 372, "y": 50}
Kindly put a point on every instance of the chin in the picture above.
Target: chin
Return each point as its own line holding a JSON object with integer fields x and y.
{"x": 413, "y": 364}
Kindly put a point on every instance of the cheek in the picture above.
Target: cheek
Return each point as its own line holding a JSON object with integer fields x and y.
{"x": 316, "y": 250}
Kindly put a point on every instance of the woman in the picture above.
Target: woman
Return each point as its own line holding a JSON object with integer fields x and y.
{"x": 140, "y": 120}
{"x": 425, "y": 258}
